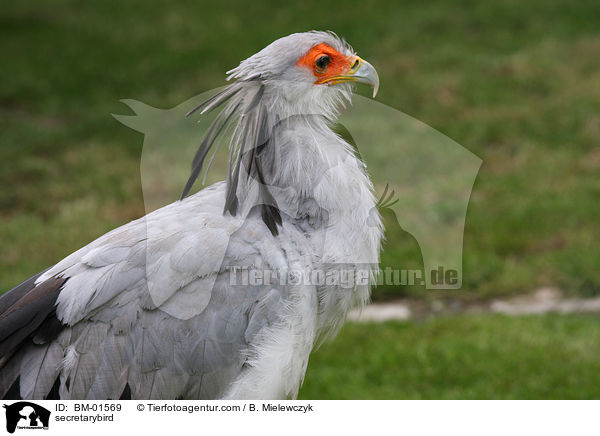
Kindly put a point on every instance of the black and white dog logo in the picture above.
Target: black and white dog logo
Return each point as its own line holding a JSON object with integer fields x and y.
{"x": 26, "y": 415}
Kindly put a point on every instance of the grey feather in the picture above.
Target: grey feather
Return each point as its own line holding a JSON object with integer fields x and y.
{"x": 216, "y": 100}
{"x": 10, "y": 369}
{"x": 40, "y": 370}
{"x": 207, "y": 143}
{"x": 111, "y": 374}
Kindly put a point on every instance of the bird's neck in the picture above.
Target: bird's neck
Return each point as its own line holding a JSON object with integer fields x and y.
{"x": 336, "y": 208}
{"x": 322, "y": 189}
{"x": 317, "y": 179}
{"x": 308, "y": 168}
{"x": 311, "y": 174}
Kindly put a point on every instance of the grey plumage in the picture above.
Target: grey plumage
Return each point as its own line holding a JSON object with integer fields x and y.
{"x": 128, "y": 340}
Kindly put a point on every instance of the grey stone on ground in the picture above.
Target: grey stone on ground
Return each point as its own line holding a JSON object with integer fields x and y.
{"x": 544, "y": 300}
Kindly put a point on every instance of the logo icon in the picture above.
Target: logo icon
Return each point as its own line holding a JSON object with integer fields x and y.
{"x": 26, "y": 415}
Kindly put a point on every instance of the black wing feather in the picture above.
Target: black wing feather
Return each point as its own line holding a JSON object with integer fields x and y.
{"x": 25, "y": 309}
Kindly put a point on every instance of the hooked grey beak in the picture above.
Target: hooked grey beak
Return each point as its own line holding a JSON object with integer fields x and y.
{"x": 365, "y": 73}
{"x": 361, "y": 72}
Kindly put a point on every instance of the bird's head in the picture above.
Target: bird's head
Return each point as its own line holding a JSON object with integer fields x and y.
{"x": 311, "y": 72}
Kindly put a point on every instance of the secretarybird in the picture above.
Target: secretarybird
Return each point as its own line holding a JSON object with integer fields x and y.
{"x": 151, "y": 309}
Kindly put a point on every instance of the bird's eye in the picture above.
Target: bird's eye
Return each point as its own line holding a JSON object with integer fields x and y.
{"x": 322, "y": 63}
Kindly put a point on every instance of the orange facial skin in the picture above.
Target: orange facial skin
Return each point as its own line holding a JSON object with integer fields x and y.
{"x": 338, "y": 65}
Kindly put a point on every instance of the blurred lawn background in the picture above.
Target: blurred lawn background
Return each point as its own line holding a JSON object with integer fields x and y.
{"x": 517, "y": 83}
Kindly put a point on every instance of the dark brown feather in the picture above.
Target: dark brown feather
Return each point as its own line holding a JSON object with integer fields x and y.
{"x": 28, "y": 312}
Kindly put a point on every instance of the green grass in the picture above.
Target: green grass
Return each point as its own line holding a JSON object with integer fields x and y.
{"x": 517, "y": 83}
{"x": 465, "y": 357}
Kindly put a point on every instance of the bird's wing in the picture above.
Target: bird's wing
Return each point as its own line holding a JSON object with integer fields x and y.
{"x": 146, "y": 311}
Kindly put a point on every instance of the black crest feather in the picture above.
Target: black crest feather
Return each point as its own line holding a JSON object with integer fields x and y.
{"x": 247, "y": 120}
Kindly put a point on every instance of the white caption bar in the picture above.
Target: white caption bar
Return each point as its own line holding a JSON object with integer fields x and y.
{"x": 284, "y": 418}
